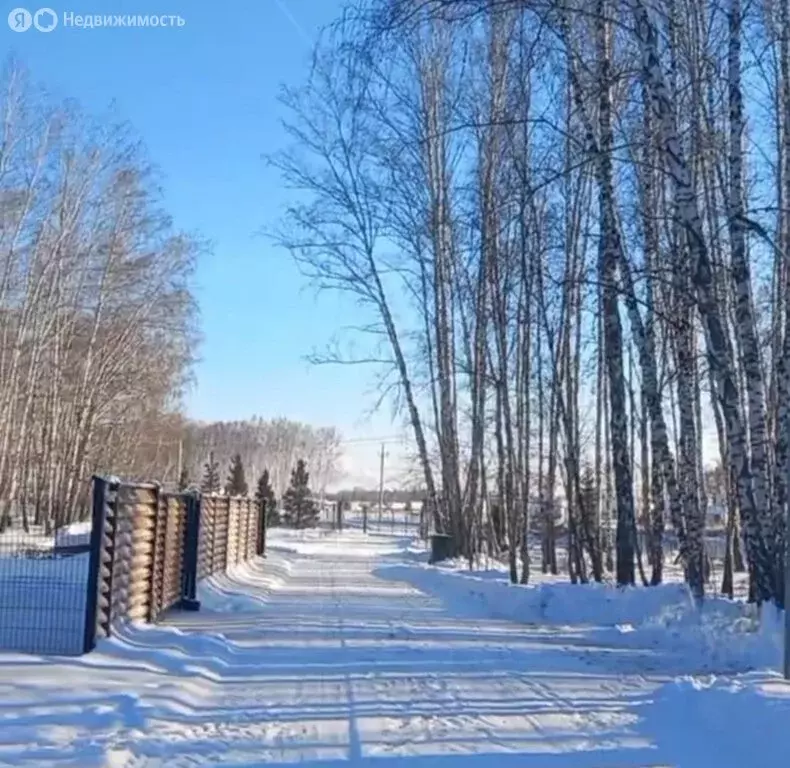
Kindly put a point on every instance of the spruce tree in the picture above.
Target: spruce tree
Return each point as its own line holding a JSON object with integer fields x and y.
{"x": 300, "y": 511}
{"x": 210, "y": 482}
{"x": 237, "y": 482}
{"x": 183, "y": 479}
{"x": 265, "y": 493}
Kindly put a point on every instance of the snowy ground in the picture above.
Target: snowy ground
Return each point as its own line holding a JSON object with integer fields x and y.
{"x": 342, "y": 648}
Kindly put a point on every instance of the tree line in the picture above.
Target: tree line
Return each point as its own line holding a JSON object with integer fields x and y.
{"x": 97, "y": 317}
{"x": 275, "y": 444}
{"x": 297, "y": 507}
{"x": 585, "y": 206}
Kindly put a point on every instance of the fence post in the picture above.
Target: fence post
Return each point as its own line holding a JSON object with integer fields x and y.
{"x": 155, "y": 583}
{"x": 94, "y": 563}
{"x": 207, "y": 512}
{"x": 260, "y": 548}
{"x": 239, "y": 538}
{"x": 226, "y": 562}
{"x": 189, "y": 601}
{"x": 249, "y": 529}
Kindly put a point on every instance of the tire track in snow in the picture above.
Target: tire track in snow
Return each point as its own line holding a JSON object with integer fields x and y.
{"x": 385, "y": 671}
{"x": 354, "y": 740}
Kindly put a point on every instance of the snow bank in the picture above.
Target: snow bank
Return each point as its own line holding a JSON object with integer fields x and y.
{"x": 550, "y": 602}
{"x": 298, "y": 541}
{"x": 723, "y": 633}
{"x": 322, "y": 541}
{"x": 230, "y": 592}
{"x": 16, "y": 541}
{"x": 747, "y": 716}
{"x": 74, "y": 534}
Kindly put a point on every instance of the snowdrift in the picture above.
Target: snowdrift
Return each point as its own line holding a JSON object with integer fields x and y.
{"x": 724, "y": 633}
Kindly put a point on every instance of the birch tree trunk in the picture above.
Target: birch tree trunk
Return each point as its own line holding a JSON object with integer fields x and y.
{"x": 718, "y": 354}
{"x": 744, "y": 311}
{"x": 608, "y": 256}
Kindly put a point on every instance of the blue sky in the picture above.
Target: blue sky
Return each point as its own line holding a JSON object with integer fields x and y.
{"x": 203, "y": 99}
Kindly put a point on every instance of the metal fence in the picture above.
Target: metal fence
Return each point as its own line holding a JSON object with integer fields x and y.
{"x": 142, "y": 554}
{"x": 43, "y": 596}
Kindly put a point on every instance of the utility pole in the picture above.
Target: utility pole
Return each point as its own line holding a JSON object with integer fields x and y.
{"x": 381, "y": 485}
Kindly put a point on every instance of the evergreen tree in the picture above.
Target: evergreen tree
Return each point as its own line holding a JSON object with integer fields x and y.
{"x": 300, "y": 510}
{"x": 183, "y": 479}
{"x": 265, "y": 493}
{"x": 237, "y": 482}
{"x": 210, "y": 482}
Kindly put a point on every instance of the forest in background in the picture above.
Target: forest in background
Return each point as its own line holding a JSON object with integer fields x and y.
{"x": 274, "y": 445}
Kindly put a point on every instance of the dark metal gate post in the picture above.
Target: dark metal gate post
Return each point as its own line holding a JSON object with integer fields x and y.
{"x": 260, "y": 548}
{"x": 189, "y": 601}
{"x": 94, "y": 563}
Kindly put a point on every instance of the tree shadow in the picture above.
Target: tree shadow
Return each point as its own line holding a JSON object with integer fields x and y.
{"x": 338, "y": 664}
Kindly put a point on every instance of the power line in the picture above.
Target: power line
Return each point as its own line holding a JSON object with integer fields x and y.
{"x": 385, "y": 439}
{"x": 342, "y": 441}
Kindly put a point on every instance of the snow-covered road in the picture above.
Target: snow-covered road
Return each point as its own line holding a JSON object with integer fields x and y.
{"x": 325, "y": 656}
